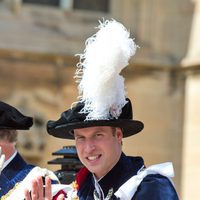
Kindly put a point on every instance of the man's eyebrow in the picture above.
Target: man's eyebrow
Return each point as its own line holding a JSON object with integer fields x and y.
{"x": 78, "y": 134}
{"x": 99, "y": 131}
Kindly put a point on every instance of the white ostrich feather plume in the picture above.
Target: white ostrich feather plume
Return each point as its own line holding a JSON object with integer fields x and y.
{"x": 101, "y": 87}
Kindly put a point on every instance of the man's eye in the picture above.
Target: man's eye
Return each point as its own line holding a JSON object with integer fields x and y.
{"x": 99, "y": 135}
{"x": 79, "y": 138}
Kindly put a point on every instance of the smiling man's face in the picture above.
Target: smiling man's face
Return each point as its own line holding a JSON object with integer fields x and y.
{"x": 99, "y": 148}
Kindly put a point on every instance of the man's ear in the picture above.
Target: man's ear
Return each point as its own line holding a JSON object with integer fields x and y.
{"x": 119, "y": 134}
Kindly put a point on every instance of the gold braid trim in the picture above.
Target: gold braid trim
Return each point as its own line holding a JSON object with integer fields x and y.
{"x": 4, "y": 197}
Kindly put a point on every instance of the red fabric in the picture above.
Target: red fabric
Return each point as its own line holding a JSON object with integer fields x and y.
{"x": 60, "y": 192}
{"x": 81, "y": 176}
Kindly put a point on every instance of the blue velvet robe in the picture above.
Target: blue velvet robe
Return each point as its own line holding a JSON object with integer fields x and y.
{"x": 153, "y": 187}
{"x": 13, "y": 173}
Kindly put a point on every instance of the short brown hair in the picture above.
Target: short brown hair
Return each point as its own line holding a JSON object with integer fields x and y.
{"x": 8, "y": 135}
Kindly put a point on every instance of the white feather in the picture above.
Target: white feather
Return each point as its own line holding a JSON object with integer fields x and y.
{"x": 101, "y": 86}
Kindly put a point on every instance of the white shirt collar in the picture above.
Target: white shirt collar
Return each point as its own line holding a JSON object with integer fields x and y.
{"x": 9, "y": 160}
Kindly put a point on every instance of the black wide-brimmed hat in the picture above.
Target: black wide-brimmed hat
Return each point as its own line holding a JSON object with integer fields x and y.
{"x": 73, "y": 119}
{"x": 11, "y": 118}
{"x": 101, "y": 87}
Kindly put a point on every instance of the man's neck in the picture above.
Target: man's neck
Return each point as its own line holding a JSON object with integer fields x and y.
{"x": 8, "y": 149}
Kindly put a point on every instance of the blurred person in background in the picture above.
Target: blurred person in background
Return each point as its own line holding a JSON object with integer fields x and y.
{"x": 14, "y": 168}
{"x": 15, "y": 173}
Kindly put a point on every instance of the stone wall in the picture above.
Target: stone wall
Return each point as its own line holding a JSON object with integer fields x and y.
{"x": 191, "y": 147}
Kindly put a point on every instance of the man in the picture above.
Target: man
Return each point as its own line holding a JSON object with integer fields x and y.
{"x": 15, "y": 173}
{"x": 99, "y": 122}
{"x": 14, "y": 168}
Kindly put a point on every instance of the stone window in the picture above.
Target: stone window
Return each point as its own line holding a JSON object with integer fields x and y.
{"x": 92, "y": 5}
{"x": 89, "y": 5}
{"x": 43, "y": 2}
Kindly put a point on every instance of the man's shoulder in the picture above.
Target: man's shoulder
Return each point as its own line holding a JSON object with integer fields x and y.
{"x": 156, "y": 186}
{"x": 157, "y": 179}
{"x": 17, "y": 163}
{"x": 17, "y": 167}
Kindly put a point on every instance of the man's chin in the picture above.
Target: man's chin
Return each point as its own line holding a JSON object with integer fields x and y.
{"x": 92, "y": 169}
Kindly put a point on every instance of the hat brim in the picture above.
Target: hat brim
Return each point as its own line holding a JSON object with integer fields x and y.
{"x": 14, "y": 128}
{"x": 128, "y": 126}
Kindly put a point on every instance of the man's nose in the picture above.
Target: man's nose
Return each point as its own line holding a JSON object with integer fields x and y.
{"x": 90, "y": 146}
